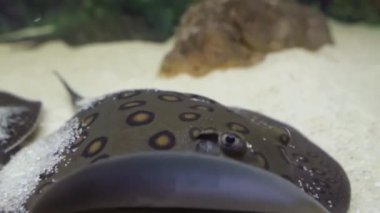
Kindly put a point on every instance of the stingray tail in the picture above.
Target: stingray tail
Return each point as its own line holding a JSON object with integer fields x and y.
{"x": 75, "y": 97}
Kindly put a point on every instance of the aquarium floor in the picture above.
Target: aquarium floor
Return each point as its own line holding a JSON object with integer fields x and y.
{"x": 333, "y": 95}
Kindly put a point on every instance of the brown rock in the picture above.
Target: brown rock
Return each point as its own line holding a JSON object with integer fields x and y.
{"x": 216, "y": 34}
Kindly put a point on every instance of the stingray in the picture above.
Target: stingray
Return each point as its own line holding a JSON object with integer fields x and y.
{"x": 18, "y": 119}
{"x": 155, "y": 151}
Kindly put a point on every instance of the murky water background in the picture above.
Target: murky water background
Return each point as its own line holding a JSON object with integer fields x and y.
{"x": 332, "y": 96}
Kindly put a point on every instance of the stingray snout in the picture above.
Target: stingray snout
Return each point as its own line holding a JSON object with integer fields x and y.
{"x": 172, "y": 180}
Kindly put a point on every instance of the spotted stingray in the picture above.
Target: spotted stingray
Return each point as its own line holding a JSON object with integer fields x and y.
{"x": 18, "y": 119}
{"x": 164, "y": 151}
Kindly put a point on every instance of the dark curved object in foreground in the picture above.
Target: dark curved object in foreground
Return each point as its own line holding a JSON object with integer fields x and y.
{"x": 18, "y": 119}
{"x": 159, "y": 210}
{"x": 130, "y": 122}
{"x": 175, "y": 180}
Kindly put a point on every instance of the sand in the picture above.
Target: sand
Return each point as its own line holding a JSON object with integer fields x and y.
{"x": 332, "y": 96}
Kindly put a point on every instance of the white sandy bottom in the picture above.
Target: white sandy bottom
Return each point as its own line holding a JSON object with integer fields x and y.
{"x": 40, "y": 157}
{"x": 331, "y": 96}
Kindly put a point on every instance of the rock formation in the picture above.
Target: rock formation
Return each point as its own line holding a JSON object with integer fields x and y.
{"x": 217, "y": 34}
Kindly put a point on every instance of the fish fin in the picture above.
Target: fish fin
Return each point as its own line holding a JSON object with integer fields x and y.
{"x": 75, "y": 97}
{"x": 337, "y": 179}
{"x": 19, "y": 119}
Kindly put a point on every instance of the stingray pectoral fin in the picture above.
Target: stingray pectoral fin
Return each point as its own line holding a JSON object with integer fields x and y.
{"x": 339, "y": 184}
{"x": 19, "y": 118}
{"x": 175, "y": 180}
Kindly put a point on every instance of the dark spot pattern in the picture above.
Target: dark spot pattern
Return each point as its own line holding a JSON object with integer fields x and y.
{"x": 80, "y": 139}
{"x": 187, "y": 108}
{"x": 285, "y": 154}
{"x": 131, "y": 104}
{"x": 94, "y": 147}
{"x": 140, "y": 118}
{"x": 189, "y": 116}
{"x": 261, "y": 161}
{"x": 237, "y": 128}
{"x": 202, "y": 108}
{"x": 163, "y": 140}
{"x": 127, "y": 94}
{"x": 200, "y": 98}
{"x": 88, "y": 120}
{"x": 208, "y": 130}
{"x": 169, "y": 98}
{"x": 194, "y": 133}
{"x": 284, "y": 139}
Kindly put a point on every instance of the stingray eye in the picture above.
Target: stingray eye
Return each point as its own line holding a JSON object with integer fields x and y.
{"x": 229, "y": 140}
{"x": 232, "y": 145}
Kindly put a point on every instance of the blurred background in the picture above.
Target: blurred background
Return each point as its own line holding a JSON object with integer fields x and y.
{"x": 81, "y": 22}
{"x": 313, "y": 64}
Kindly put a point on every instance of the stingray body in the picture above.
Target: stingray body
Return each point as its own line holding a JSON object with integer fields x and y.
{"x": 153, "y": 150}
{"x": 18, "y": 119}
